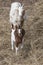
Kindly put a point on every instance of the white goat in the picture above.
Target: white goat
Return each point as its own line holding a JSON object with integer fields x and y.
{"x": 16, "y": 13}
{"x": 16, "y": 19}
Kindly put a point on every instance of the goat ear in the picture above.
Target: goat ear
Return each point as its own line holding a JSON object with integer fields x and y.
{"x": 12, "y": 26}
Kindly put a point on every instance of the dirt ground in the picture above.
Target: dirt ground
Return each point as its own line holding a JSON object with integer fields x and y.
{"x": 32, "y": 52}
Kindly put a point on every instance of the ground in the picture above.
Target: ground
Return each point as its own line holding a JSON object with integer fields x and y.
{"x": 32, "y": 52}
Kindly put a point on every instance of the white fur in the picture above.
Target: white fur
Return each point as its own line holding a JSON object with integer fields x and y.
{"x": 12, "y": 39}
{"x": 16, "y": 12}
{"x": 19, "y": 30}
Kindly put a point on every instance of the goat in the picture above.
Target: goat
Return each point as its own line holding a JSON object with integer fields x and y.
{"x": 17, "y": 37}
{"x": 16, "y": 13}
